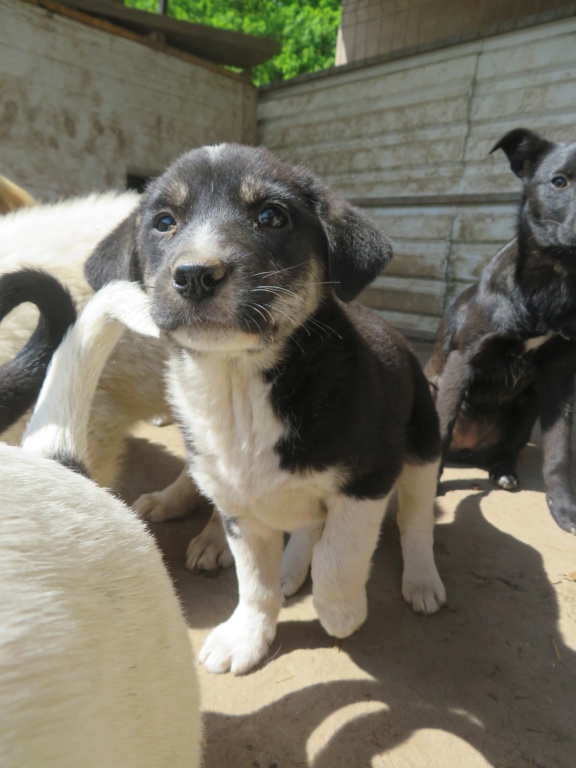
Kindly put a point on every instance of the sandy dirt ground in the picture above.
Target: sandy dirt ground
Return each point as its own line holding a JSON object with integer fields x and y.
{"x": 488, "y": 681}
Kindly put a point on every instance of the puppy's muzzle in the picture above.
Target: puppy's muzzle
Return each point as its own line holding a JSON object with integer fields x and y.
{"x": 198, "y": 281}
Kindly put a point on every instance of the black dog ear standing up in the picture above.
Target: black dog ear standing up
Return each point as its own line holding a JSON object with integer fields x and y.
{"x": 115, "y": 257}
{"x": 524, "y": 149}
{"x": 357, "y": 250}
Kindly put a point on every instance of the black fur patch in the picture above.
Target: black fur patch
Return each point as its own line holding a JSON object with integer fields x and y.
{"x": 71, "y": 462}
{"x": 231, "y": 526}
{"x": 353, "y": 396}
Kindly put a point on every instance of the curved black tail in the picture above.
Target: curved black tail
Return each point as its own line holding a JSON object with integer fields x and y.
{"x": 21, "y": 379}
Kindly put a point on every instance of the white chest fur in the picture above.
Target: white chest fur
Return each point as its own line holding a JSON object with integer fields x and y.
{"x": 224, "y": 406}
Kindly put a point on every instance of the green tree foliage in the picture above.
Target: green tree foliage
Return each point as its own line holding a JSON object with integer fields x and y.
{"x": 306, "y": 31}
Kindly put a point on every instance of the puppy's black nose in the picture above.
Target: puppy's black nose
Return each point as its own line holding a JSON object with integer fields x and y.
{"x": 198, "y": 281}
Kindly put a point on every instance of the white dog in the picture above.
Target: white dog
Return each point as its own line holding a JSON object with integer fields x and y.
{"x": 59, "y": 238}
{"x": 95, "y": 662}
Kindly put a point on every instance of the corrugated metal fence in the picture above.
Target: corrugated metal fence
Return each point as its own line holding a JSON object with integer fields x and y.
{"x": 408, "y": 140}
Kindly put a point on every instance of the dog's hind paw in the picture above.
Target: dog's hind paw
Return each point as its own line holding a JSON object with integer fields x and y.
{"x": 209, "y": 551}
{"x": 238, "y": 644}
{"x": 426, "y": 593}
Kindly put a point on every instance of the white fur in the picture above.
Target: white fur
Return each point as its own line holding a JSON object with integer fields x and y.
{"x": 65, "y": 399}
{"x": 95, "y": 660}
{"x": 341, "y": 562}
{"x": 59, "y": 238}
{"x": 421, "y": 583}
{"x": 60, "y": 234}
{"x": 297, "y": 558}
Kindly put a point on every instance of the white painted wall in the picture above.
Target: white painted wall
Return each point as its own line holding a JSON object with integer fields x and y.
{"x": 79, "y": 106}
{"x": 409, "y": 141}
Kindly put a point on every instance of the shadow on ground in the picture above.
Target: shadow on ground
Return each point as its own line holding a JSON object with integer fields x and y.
{"x": 493, "y": 668}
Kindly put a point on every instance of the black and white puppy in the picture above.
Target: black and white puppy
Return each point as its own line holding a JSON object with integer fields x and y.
{"x": 299, "y": 412}
{"x": 505, "y": 353}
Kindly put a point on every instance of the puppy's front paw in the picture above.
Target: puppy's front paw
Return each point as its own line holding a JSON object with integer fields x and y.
{"x": 209, "y": 551}
{"x": 504, "y": 477}
{"x": 238, "y": 644}
{"x": 158, "y": 506}
{"x": 342, "y": 615}
{"x": 423, "y": 590}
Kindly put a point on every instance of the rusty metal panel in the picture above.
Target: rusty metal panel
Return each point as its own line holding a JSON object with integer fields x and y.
{"x": 80, "y": 106}
{"x": 409, "y": 140}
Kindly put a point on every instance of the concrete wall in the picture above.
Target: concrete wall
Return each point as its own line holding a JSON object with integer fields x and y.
{"x": 408, "y": 141}
{"x": 80, "y": 106}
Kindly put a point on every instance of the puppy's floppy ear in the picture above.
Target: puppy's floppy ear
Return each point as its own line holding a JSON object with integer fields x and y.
{"x": 357, "y": 250}
{"x": 116, "y": 256}
{"x": 524, "y": 149}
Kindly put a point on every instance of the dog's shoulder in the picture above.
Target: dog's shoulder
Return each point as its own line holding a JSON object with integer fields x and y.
{"x": 347, "y": 397}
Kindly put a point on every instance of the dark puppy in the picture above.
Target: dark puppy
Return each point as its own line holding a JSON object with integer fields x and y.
{"x": 505, "y": 353}
{"x": 299, "y": 412}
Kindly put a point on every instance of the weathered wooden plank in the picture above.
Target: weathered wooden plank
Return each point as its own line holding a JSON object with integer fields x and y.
{"x": 418, "y": 325}
{"x": 344, "y": 123}
{"x": 405, "y": 294}
{"x": 488, "y": 224}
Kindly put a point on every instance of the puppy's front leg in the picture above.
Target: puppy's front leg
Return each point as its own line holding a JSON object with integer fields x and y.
{"x": 241, "y": 642}
{"x": 341, "y": 562}
{"x": 422, "y": 587}
{"x": 451, "y": 389}
{"x": 556, "y": 411}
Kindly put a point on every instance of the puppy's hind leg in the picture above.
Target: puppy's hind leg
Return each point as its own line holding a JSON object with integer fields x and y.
{"x": 297, "y": 557}
{"x": 422, "y": 587}
{"x": 519, "y": 419}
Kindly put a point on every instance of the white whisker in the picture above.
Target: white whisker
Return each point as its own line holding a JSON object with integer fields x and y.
{"x": 277, "y": 271}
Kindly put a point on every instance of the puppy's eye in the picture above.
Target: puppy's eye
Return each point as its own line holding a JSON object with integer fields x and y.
{"x": 272, "y": 216}
{"x": 165, "y": 223}
{"x": 559, "y": 182}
